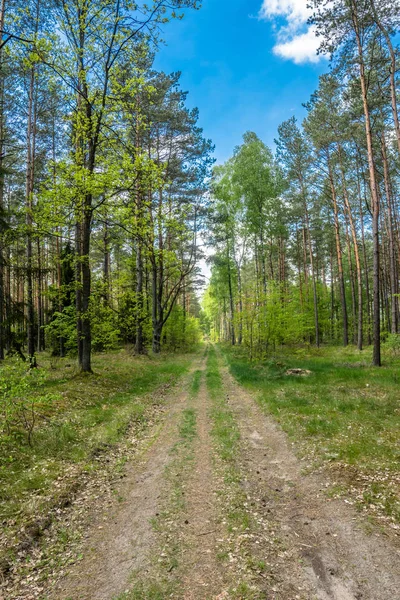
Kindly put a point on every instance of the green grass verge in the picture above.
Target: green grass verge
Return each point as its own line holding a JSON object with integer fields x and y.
{"x": 82, "y": 417}
{"x": 345, "y": 413}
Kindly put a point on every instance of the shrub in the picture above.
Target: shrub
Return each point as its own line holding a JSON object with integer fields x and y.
{"x": 22, "y": 408}
{"x": 392, "y": 344}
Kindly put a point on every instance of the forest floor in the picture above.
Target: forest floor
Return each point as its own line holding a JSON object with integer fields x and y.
{"x": 213, "y": 500}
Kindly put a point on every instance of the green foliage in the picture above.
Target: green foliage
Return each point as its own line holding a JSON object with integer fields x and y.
{"x": 187, "y": 427}
{"x": 392, "y": 344}
{"x": 104, "y": 204}
{"x": 105, "y": 332}
{"x": 63, "y": 326}
{"x": 195, "y": 386}
{"x": 267, "y": 318}
{"x": 150, "y": 591}
{"x": 23, "y": 405}
{"x": 182, "y": 331}
{"x": 104, "y": 323}
{"x": 128, "y": 314}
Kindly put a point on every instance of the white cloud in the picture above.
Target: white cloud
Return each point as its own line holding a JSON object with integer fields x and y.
{"x": 295, "y": 11}
{"x": 301, "y": 48}
{"x": 295, "y": 39}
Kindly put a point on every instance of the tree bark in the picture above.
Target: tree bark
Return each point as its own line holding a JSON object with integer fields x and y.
{"x": 311, "y": 257}
{"x": 240, "y": 294}
{"x": 352, "y": 282}
{"x": 2, "y": 133}
{"x": 392, "y": 253}
{"x": 356, "y": 253}
{"x": 231, "y": 302}
{"x": 374, "y": 193}
{"x": 339, "y": 257}
{"x": 393, "y": 71}
{"x": 40, "y": 316}
{"x": 86, "y": 364}
{"x": 106, "y": 263}
{"x": 139, "y": 342}
{"x": 30, "y": 142}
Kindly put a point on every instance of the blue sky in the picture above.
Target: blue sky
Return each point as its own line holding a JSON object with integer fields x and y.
{"x": 246, "y": 66}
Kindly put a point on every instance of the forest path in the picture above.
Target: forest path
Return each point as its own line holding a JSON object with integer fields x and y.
{"x": 121, "y": 537}
{"x": 194, "y": 522}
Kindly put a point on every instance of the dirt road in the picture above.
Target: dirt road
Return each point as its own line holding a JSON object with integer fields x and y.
{"x": 214, "y": 512}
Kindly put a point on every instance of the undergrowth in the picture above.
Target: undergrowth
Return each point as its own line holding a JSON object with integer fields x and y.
{"x": 81, "y": 417}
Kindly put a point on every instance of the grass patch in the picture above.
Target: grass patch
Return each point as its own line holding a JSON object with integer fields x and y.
{"x": 86, "y": 417}
{"x": 345, "y": 413}
{"x": 195, "y": 385}
{"x": 225, "y": 430}
{"x": 187, "y": 428}
{"x": 149, "y": 591}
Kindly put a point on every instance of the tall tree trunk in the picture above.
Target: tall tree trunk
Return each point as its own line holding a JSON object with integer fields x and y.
{"x": 365, "y": 260}
{"x": 352, "y": 282}
{"x": 157, "y": 318}
{"x": 332, "y": 296}
{"x": 86, "y": 364}
{"x": 2, "y": 133}
{"x": 139, "y": 338}
{"x": 374, "y": 191}
{"x": 87, "y": 131}
{"x": 231, "y": 302}
{"x": 139, "y": 342}
{"x": 339, "y": 257}
{"x": 392, "y": 252}
{"x": 393, "y": 71}
{"x": 299, "y": 270}
{"x": 8, "y": 291}
{"x": 311, "y": 258}
{"x": 106, "y": 263}
{"x": 240, "y": 294}
{"x": 78, "y": 291}
{"x": 61, "y": 340}
{"x": 356, "y": 253}
{"x": 30, "y": 137}
{"x": 158, "y": 282}
{"x": 40, "y": 317}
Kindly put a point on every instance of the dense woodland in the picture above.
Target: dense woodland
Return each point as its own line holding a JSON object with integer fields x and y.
{"x": 105, "y": 199}
{"x": 307, "y": 239}
{"x": 103, "y": 180}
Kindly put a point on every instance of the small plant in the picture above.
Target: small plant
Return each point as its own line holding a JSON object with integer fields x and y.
{"x": 21, "y": 407}
{"x": 392, "y": 344}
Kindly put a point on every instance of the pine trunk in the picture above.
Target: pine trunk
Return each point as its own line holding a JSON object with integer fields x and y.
{"x": 339, "y": 258}
{"x": 374, "y": 194}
